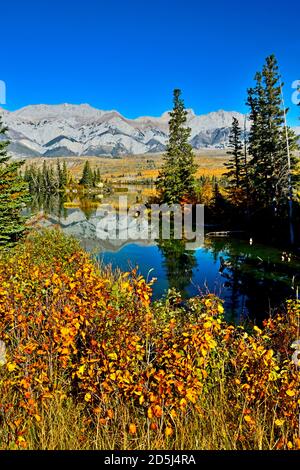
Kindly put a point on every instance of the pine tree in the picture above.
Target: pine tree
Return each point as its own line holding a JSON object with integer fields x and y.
{"x": 52, "y": 182}
{"x": 13, "y": 195}
{"x": 45, "y": 177}
{"x": 98, "y": 176}
{"x": 94, "y": 178}
{"x": 268, "y": 169}
{"x": 40, "y": 181}
{"x": 62, "y": 175}
{"x": 65, "y": 175}
{"x": 87, "y": 178}
{"x": 236, "y": 164}
{"x": 59, "y": 174}
{"x": 176, "y": 180}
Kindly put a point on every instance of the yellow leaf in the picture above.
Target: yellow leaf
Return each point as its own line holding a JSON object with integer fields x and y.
{"x": 158, "y": 411}
{"x": 65, "y": 331}
{"x": 88, "y": 397}
{"x": 182, "y": 402}
{"x": 248, "y": 419}
{"x": 141, "y": 400}
{"x": 290, "y": 393}
{"x": 168, "y": 431}
{"x": 258, "y": 330}
{"x": 269, "y": 354}
{"x": 11, "y": 366}
{"x": 191, "y": 396}
{"x": 279, "y": 422}
{"x": 220, "y": 308}
{"x": 297, "y": 442}
{"x": 132, "y": 428}
{"x": 113, "y": 356}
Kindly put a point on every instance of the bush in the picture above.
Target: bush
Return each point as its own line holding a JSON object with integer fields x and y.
{"x": 92, "y": 363}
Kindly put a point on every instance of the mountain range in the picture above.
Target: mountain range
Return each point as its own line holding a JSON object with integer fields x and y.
{"x": 78, "y": 130}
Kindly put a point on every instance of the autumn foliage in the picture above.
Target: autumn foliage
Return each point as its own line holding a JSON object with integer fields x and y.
{"x": 80, "y": 337}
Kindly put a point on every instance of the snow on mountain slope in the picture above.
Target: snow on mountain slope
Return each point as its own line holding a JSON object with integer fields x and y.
{"x": 66, "y": 129}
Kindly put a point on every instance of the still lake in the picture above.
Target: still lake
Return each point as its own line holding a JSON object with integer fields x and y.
{"x": 253, "y": 280}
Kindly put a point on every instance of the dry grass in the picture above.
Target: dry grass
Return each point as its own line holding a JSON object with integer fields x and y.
{"x": 138, "y": 167}
{"x": 64, "y": 426}
{"x": 91, "y": 363}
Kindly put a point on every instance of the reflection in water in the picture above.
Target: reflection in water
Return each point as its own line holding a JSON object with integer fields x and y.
{"x": 252, "y": 279}
{"x": 256, "y": 278}
{"x": 50, "y": 204}
{"x": 179, "y": 264}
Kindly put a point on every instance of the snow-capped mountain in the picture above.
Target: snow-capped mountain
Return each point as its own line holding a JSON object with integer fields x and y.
{"x": 75, "y": 130}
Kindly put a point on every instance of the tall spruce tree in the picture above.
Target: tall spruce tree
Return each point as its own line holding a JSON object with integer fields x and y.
{"x": 64, "y": 176}
{"x": 59, "y": 173}
{"x": 236, "y": 164}
{"x": 268, "y": 169}
{"x": 13, "y": 195}
{"x": 176, "y": 181}
{"x": 87, "y": 178}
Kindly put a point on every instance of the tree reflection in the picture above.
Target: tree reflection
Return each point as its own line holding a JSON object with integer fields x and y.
{"x": 50, "y": 204}
{"x": 179, "y": 264}
{"x": 256, "y": 281}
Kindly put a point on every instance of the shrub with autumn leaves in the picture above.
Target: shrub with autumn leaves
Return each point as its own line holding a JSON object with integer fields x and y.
{"x": 79, "y": 337}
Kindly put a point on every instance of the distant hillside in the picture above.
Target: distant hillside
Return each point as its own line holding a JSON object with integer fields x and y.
{"x": 73, "y": 130}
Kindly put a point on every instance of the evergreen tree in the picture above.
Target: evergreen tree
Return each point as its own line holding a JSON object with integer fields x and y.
{"x": 65, "y": 175}
{"x": 45, "y": 176}
{"x": 62, "y": 175}
{"x": 236, "y": 164}
{"x": 59, "y": 174}
{"x": 176, "y": 180}
{"x": 13, "y": 195}
{"x": 46, "y": 180}
{"x": 96, "y": 177}
{"x": 52, "y": 181}
{"x": 87, "y": 178}
{"x": 40, "y": 181}
{"x": 268, "y": 169}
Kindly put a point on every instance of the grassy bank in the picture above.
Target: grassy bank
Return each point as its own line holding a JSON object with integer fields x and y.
{"x": 91, "y": 363}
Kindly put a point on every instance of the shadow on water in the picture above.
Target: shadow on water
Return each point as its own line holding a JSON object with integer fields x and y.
{"x": 257, "y": 279}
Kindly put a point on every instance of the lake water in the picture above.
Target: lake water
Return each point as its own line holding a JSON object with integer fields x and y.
{"x": 253, "y": 280}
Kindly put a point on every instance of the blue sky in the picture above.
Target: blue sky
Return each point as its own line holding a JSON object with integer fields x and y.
{"x": 130, "y": 54}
